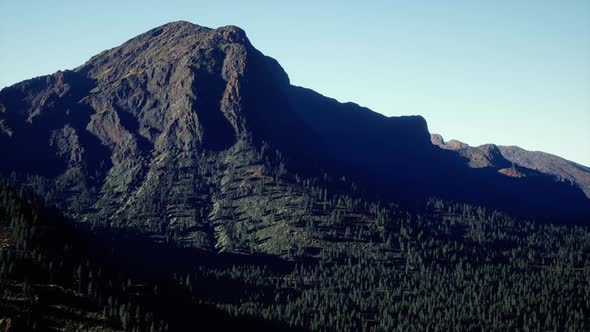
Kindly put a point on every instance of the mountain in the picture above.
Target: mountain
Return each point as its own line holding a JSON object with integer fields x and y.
{"x": 516, "y": 161}
{"x": 550, "y": 164}
{"x": 180, "y": 181}
{"x": 487, "y": 155}
{"x": 181, "y": 129}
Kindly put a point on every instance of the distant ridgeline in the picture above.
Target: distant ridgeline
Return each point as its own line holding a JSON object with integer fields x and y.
{"x": 193, "y": 177}
{"x": 517, "y": 162}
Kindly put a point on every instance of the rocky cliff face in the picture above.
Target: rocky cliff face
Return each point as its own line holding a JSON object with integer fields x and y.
{"x": 122, "y": 136}
{"x": 190, "y": 133}
{"x": 163, "y": 133}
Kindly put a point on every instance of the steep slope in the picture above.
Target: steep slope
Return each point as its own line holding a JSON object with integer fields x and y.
{"x": 518, "y": 162}
{"x": 55, "y": 275}
{"x": 487, "y": 155}
{"x": 190, "y": 134}
{"x": 550, "y": 164}
{"x": 131, "y": 135}
{"x": 386, "y": 273}
{"x": 395, "y": 158}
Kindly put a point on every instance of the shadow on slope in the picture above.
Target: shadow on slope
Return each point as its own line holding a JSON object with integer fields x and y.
{"x": 394, "y": 156}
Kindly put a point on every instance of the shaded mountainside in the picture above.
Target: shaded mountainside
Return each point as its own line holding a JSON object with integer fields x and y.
{"x": 199, "y": 186}
{"x": 190, "y": 133}
{"x": 487, "y": 155}
{"x": 394, "y": 157}
{"x": 550, "y": 164}
{"x": 58, "y": 276}
{"x": 516, "y": 161}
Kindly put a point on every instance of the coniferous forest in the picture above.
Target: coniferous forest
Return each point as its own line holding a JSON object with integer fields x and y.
{"x": 452, "y": 265}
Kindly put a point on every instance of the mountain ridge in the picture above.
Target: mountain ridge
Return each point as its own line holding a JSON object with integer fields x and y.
{"x": 543, "y": 162}
{"x": 182, "y": 129}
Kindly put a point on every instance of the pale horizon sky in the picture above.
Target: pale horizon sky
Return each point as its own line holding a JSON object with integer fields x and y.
{"x": 503, "y": 72}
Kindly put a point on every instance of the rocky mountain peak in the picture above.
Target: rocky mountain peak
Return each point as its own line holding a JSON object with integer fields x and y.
{"x": 178, "y": 86}
{"x": 178, "y": 44}
{"x": 437, "y": 139}
{"x": 151, "y": 132}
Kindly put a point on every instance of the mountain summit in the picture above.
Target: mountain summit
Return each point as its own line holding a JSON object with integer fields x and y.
{"x": 184, "y": 86}
{"x": 182, "y": 129}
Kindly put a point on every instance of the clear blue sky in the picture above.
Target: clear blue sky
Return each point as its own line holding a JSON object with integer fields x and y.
{"x": 507, "y": 72}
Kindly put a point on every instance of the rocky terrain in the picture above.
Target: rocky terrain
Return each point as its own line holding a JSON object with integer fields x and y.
{"x": 182, "y": 129}
{"x": 516, "y": 161}
{"x": 550, "y": 164}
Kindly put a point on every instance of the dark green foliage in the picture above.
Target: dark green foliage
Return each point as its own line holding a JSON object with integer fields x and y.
{"x": 60, "y": 287}
{"x": 351, "y": 262}
{"x": 58, "y": 275}
{"x": 448, "y": 266}
{"x": 468, "y": 269}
